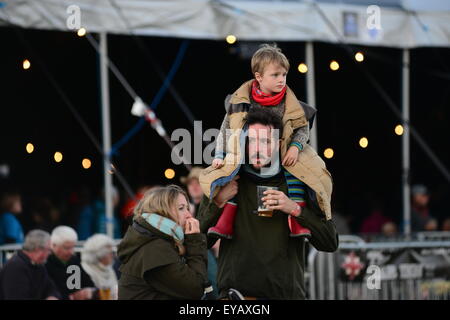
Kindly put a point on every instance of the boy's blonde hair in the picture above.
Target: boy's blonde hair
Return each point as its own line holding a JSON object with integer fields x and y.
{"x": 162, "y": 201}
{"x": 267, "y": 54}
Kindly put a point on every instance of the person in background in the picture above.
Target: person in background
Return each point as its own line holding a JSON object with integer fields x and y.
{"x": 44, "y": 215}
{"x": 193, "y": 187}
{"x": 130, "y": 204}
{"x": 389, "y": 229}
{"x": 126, "y": 213}
{"x": 341, "y": 223}
{"x": 63, "y": 241}
{"x": 11, "y": 230}
{"x": 421, "y": 220}
{"x": 97, "y": 259}
{"x": 446, "y": 225}
{"x": 92, "y": 218}
{"x": 78, "y": 200}
{"x": 374, "y": 222}
{"x": 195, "y": 193}
{"x": 24, "y": 276}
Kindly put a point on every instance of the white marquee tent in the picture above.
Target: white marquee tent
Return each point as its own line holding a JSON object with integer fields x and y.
{"x": 401, "y": 21}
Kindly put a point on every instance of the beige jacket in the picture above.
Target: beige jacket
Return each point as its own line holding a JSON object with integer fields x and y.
{"x": 310, "y": 168}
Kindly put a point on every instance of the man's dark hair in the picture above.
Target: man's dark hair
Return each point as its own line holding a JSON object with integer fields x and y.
{"x": 265, "y": 117}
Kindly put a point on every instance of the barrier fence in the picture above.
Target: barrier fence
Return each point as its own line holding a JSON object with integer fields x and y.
{"x": 400, "y": 270}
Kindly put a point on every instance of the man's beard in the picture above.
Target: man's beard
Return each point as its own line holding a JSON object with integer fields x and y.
{"x": 261, "y": 160}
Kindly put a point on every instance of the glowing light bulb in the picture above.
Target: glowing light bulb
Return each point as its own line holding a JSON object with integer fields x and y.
{"x": 231, "y": 39}
{"x": 169, "y": 173}
{"x": 58, "y": 156}
{"x": 334, "y": 65}
{"x": 30, "y": 148}
{"x": 363, "y": 142}
{"x": 26, "y": 64}
{"x": 86, "y": 163}
{"x": 303, "y": 68}
{"x": 399, "y": 130}
{"x": 359, "y": 56}
{"x": 328, "y": 153}
{"x": 81, "y": 32}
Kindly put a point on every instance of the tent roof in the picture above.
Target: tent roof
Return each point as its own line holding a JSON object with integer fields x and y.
{"x": 403, "y": 23}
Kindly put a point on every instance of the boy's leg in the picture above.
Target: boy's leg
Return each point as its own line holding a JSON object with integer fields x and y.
{"x": 297, "y": 230}
{"x": 224, "y": 227}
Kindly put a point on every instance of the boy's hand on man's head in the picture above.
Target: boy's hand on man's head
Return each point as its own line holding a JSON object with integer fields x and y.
{"x": 291, "y": 156}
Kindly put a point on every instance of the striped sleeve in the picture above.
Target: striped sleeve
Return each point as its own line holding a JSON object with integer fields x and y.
{"x": 296, "y": 188}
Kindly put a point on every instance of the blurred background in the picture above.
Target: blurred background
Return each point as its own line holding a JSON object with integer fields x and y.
{"x": 351, "y": 59}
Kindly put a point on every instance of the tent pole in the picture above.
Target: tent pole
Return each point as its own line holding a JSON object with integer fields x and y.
{"x": 106, "y": 130}
{"x": 406, "y": 145}
{"x": 311, "y": 90}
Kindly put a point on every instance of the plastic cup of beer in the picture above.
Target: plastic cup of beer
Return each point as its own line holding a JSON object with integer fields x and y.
{"x": 105, "y": 293}
{"x": 263, "y": 211}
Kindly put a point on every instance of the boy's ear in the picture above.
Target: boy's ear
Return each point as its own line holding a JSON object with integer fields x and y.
{"x": 258, "y": 76}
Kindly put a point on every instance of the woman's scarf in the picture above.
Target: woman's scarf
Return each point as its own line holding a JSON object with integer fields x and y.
{"x": 102, "y": 276}
{"x": 265, "y": 99}
{"x": 165, "y": 225}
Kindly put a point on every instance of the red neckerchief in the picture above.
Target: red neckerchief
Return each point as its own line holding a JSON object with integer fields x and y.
{"x": 266, "y": 99}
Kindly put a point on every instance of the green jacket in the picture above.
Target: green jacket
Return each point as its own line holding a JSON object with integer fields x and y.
{"x": 262, "y": 260}
{"x": 153, "y": 269}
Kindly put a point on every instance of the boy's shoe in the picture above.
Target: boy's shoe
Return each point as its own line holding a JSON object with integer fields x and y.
{"x": 224, "y": 227}
{"x": 297, "y": 230}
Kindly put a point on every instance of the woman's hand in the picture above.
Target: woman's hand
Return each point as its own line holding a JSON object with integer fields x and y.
{"x": 191, "y": 226}
{"x": 83, "y": 294}
{"x": 277, "y": 200}
{"x": 227, "y": 192}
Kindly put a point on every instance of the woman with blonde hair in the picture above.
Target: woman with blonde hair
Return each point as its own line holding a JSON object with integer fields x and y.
{"x": 163, "y": 253}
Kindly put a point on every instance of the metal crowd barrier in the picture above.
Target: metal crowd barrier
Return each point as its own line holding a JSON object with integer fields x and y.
{"x": 433, "y": 236}
{"x": 417, "y": 236}
{"x": 415, "y": 270}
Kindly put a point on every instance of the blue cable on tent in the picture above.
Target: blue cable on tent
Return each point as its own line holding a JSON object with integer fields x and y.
{"x": 156, "y": 100}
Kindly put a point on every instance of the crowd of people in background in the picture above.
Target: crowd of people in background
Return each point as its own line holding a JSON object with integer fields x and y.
{"x": 86, "y": 213}
{"x": 39, "y": 270}
{"x": 47, "y": 268}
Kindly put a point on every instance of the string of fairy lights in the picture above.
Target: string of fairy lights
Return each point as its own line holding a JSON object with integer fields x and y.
{"x": 86, "y": 163}
{"x": 170, "y": 173}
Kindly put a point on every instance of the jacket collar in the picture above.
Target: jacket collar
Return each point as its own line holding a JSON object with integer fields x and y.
{"x": 293, "y": 109}
{"x": 142, "y": 224}
{"x": 55, "y": 260}
{"x": 26, "y": 258}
